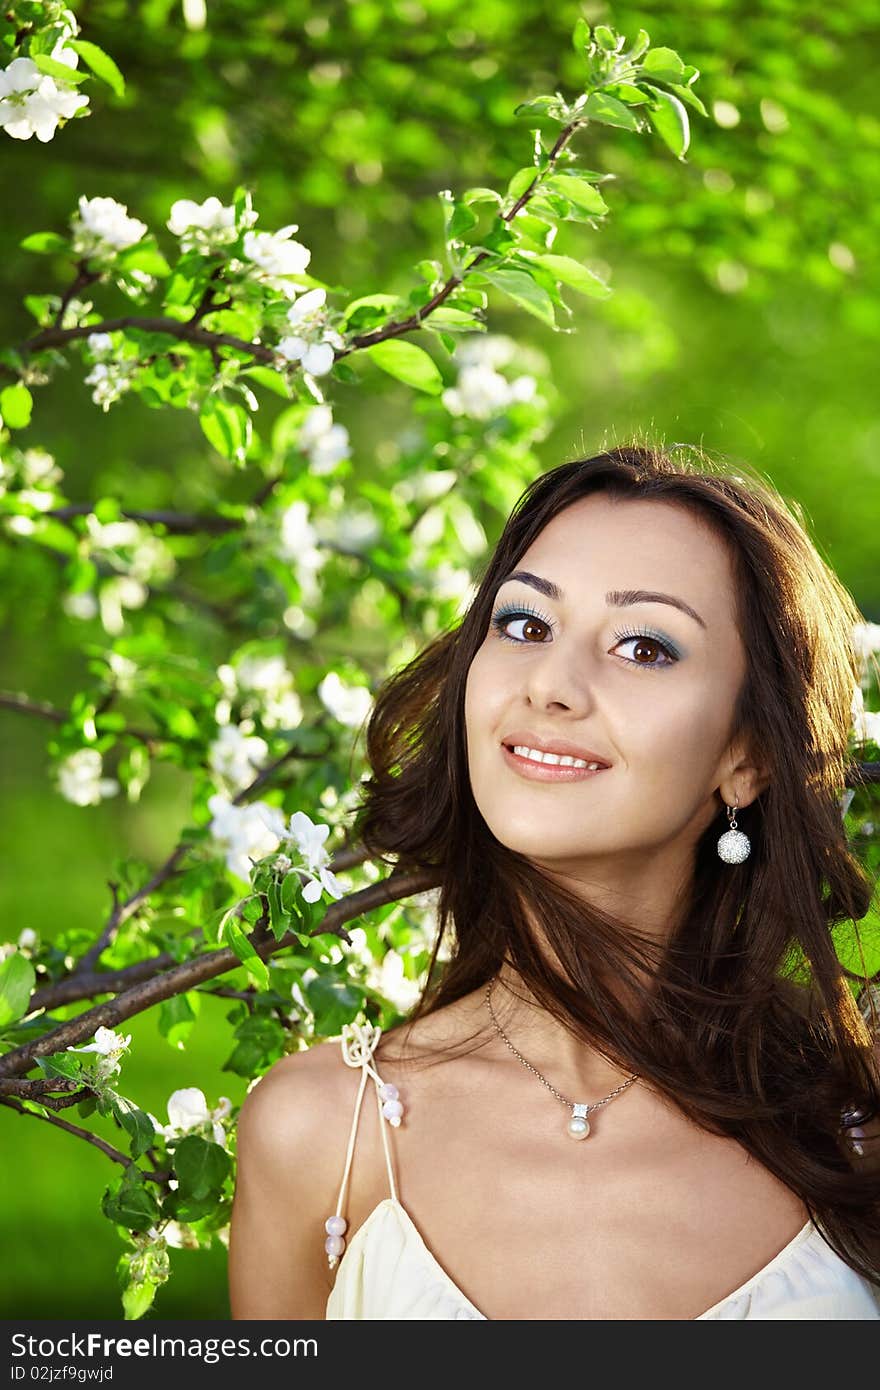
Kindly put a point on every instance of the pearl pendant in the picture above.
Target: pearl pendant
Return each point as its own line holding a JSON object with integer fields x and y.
{"x": 579, "y": 1125}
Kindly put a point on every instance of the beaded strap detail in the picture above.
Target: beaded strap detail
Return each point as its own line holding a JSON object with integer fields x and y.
{"x": 359, "y": 1042}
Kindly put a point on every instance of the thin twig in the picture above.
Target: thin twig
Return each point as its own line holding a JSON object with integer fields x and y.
{"x": 81, "y": 1133}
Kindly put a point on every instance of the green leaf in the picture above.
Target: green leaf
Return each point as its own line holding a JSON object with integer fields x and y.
{"x": 260, "y": 1042}
{"x": 663, "y": 64}
{"x": 625, "y": 91}
{"x": 227, "y": 427}
{"x": 599, "y": 106}
{"x": 334, "y": 1002}
{"x": 130, "y": 1203}
{"x": 480, "y": 195}
{"x": 455, "y": 320}
{"x": 370, "y": 311}
{"x": 232, "y": 934}
{"x": 101, "y": 64}
{"x": 177, "y": 1016}
{"x": 544, "y": 110}
{"x": 606, "y": 38}
{"x": 459, "y": 221}
{"x": 572, "y": 273}
{"x": 685, "y": 94}
{"x": 522, "y": 179}
{"x": 579, "y": 191}
{"x": 580, "y": 38}
{"x": 17, "y": 980}
{"x": 278, "y": 920}
{"x": 521, "y": 288}
{"x": 61, "y": 1064}
{"x": 44, "y": 243}
{"x": 53, "y": 68}
{"x": 137, "y": 1125}
{"x": 201, "y": 1166}
{"x": 147, "y": 258}
{"x": 408, "y": 363}
{"x": 16, "y": 403}
{"x": 642, "y": 43}
{"x": 138, "y": 1297}
{"x": 272, "y": 381}
{"x": 182, "y": 1208}
{"x": 670, "y": 120}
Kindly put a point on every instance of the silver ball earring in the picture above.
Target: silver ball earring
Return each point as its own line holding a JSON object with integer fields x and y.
{"x": 733, "y": 845}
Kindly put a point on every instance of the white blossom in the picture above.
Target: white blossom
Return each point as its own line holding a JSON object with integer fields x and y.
{"x": 109, "y": 535}
{"x": 866, "y": 637}
{"x": 348, "y": 704}
{"x": 32, "y": 103}
{"x": 307, "y": 307}
{"x": 100, "y": 342}
{"x": 236, "y": 756}
{"x": 316, "y": 358}
{"x": 275, "y": 253}
{"x": 309, "y": 837}
{"x": 486, "y": 350}
{"x": 202, "y": 225}
{"x": 325, "y": 443}
{"x": 244, "y": 832}
{"x": 83, "y": 606}
{"x": 188, "y": 1110}
{"x": 38, "y": 469}
{"x": 481, "y": 392}
{"x": 80, "y": 778}
{"x": 391, "y": 982}
{"x": 103, "y": 225}
{"x": 298, "y": 536}
{"x": 355, "y": 529}
{"x": 27, "y": 939}
{"x": 268, "y": 680}
{"x": 110, "y": 1046}
{"x": 865, "y": 723}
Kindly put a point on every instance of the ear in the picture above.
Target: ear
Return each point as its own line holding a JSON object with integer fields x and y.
{"x": 741, "y": 775}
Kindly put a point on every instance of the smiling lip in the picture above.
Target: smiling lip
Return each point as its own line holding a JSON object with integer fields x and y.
{"x": 548, "y": 772}
{"x": 524, "y": 738}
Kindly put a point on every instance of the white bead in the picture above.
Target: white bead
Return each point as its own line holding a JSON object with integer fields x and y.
{"x": 334, "y": 1245}
{"x": 578, "y": 1127}
{"x": 394, "y": 1120}
{"x": 388, "y": 1091}
{"x": 336, "y": 1225}
{"x": 392, "y": 1109}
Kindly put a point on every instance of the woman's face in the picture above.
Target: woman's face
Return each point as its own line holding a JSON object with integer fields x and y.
{"x": 647, "y": 687}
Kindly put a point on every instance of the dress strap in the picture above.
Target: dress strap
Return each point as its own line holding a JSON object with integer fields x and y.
{"x": 359, "y": 1042}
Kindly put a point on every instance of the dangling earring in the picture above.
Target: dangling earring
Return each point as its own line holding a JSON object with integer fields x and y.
{"x": 733, "y": 845}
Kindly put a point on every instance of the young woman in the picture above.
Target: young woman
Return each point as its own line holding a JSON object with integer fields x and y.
{"x": 630, "y": 1087}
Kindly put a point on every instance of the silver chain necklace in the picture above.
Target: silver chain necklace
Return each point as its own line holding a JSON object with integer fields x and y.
{"x": 578, "y": 1125}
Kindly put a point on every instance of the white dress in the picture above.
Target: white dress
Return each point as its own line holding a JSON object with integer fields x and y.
{"x": 388, "y": 1272}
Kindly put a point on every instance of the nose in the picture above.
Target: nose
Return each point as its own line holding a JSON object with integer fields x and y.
{"x": 560, "y": 677}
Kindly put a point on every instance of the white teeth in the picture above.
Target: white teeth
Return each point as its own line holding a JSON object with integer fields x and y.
{"x": 562, "y": 760}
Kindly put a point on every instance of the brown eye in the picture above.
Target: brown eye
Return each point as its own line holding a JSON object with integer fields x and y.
{"x": 532, "y": 626}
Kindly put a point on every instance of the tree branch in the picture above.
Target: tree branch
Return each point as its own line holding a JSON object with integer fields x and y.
{"x": 190, "y": 331}
{"x": 178, "y": 523}
{"x": 206, "y": 967}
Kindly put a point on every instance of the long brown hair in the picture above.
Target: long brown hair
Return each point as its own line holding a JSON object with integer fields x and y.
{"x": 745, "y": 1019}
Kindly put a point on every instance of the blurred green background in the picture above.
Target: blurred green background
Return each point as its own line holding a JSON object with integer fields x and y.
{"x": 745, "y": 318}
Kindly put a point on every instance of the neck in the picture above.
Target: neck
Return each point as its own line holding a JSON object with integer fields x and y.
{"x": 574, "y": 1068}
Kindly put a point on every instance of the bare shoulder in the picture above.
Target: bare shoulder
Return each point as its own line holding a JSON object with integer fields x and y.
{"x": 290, "y": 1111}
{"x": 290, "y": 1136}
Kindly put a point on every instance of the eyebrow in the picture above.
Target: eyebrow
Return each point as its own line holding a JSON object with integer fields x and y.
{"x": 615, "y": 598}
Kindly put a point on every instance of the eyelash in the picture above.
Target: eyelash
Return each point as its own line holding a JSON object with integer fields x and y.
{"x": 505, "y": 615}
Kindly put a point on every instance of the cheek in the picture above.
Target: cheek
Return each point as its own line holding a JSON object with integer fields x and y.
{"x": 481, "y": 693}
